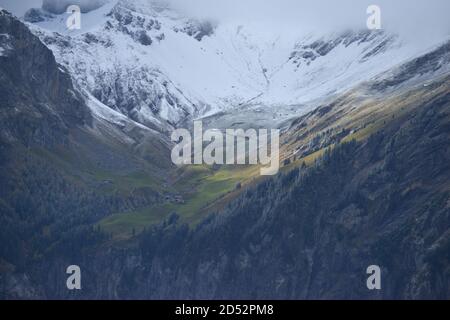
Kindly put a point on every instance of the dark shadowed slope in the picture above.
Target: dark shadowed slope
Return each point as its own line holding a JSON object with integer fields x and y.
{"x": 310, "y": 233}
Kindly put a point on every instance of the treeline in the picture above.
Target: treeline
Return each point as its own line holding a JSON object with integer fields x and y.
{"x": 45, "y": 213}
{"x": 311, "y": 233}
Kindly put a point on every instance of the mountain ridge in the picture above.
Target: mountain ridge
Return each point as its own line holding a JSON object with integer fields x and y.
{"x": 364, "y": 178}
{"x": 197, "y": 68}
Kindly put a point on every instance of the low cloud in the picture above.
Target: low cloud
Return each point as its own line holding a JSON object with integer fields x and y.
{"x": 410, "y": 17}
{"x": 60, "y": 6}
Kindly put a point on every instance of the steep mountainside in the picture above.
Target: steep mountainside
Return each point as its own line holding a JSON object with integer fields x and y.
{"x": 66, "y": 160}
{"x": 307, "y": 234}
{"x": 39, "y": 103}
{"x": 161, "y": 69}
{"x": 384, "y": 201}
{"x": 86, "y": 176}
{"x": 366, "y": 108}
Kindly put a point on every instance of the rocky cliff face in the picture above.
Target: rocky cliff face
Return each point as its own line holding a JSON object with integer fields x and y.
{"x": 39, "y": 103}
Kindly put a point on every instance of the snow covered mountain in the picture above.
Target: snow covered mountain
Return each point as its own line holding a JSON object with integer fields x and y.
{"x": 159, "y": 68}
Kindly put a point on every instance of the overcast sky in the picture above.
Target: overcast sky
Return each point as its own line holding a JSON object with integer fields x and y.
{"x": 18, "y": 7}
{"x": 412, "y": 17}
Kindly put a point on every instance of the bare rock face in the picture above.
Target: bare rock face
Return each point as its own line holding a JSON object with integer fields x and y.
{"x": 60, "y": 6}
{"x": 39, "y": 102}
{"x": 35, "y": 15}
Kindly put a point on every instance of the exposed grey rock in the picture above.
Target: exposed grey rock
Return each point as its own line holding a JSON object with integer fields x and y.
{"x": 39, "y": 103}
{"x": 35, "y": 15}
{"x": 197, "y": 29}
{"x": 306, "y": 53}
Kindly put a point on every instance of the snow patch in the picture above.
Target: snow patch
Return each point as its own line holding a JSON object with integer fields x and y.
{"x": 139, "y": 60}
